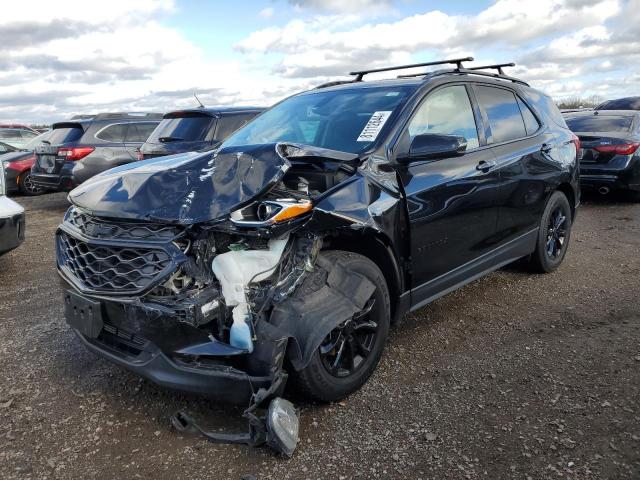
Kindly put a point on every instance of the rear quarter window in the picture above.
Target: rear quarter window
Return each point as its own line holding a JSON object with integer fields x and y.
{"x": 544, "y": 105}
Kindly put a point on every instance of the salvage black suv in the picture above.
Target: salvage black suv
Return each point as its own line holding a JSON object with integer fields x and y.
{"x": 287, "y": 252}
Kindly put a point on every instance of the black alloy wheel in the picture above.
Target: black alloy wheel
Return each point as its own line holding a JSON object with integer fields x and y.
{"x": 345, "y": 350}
{"x": 556, "y": 233}
{"x": 553, "y": 235}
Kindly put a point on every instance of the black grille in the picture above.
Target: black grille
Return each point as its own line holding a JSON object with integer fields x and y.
{"x": 98, "y": 228}
{"x": 109, "y": 268}
{"x": 126, "y": 342}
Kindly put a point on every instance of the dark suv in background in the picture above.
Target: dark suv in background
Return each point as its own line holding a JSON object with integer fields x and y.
{"x": 83, "y": 147}
{"x": 195, "y": 129}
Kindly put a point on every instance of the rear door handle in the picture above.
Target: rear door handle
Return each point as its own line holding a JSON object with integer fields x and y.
{"x": 486, "y": 165}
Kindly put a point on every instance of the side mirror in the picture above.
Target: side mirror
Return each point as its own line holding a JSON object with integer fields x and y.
{"x": 435, "y": 145}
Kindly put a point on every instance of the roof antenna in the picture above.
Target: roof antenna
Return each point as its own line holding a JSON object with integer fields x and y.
{"x": 198, "y": 100}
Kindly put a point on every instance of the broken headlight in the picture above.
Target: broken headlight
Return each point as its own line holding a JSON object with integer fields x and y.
{"x": 269, "y": 212}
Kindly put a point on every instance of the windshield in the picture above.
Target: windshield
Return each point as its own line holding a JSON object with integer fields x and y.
{"x": 346, "y": 120}
{"x": 187, "y": 129}
{"x": 599, "y": 123}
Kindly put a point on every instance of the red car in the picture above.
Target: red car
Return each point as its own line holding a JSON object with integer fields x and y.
{"x": 17, "y": 166}
{"x": 21, "y": 126}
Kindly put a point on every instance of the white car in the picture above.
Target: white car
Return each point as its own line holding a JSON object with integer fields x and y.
{"x": 11, "y": 219}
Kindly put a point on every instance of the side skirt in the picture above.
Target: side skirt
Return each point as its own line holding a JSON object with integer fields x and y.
{"x": 467, "y": 273}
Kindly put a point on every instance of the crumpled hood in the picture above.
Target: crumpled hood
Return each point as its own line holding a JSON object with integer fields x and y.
{"x": 186, "y": 188}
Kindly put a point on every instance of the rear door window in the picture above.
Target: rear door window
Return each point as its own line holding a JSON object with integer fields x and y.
{"x": 113, "y": 133}
{"x": 179, "y": 129}
{"x": 505, "y": 119}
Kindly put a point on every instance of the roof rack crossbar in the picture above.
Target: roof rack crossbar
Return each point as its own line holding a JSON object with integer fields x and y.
{"x": 492, "y": 75}
{"x": 457, "y": 61}
{"x": 497, "y": 66}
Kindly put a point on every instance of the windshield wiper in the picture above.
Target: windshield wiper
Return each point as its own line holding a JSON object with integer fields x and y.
{"x": 170, "y": 139}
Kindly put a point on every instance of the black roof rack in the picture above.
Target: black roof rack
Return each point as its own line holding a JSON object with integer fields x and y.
{"x": 460, "y": 69}
{"x": 497, "y": 66}
{"x": 457, "y": 61}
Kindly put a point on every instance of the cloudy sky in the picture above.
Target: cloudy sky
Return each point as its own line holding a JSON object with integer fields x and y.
{"x": 65, "y": 57}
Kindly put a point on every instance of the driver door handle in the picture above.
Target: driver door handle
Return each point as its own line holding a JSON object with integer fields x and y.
{"x": 486, "y": 165}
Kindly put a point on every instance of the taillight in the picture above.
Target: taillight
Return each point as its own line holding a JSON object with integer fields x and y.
{"x": 74, "y": 153}
{"x": 576, "y": 142}
{"x": 621, "y": 149}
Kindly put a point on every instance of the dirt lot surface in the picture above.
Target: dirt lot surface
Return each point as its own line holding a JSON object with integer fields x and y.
{"x": 514, "y": 376}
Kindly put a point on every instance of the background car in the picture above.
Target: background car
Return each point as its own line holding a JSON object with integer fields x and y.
{"x": 627, "y": 103}
{"x": 11, "y": 220}
{"x": 610, "y": 155}
{"x": 21, "y": 126}
{"x": 81, "y": 148}
{"x": 17, "y": 166}
{"x": 195, "y": 129}
{"x": 17, "y": 137}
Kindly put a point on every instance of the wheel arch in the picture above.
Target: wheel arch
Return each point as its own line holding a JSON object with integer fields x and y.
{"x": 571, "y": 195}
{"x": 376, "y": 247}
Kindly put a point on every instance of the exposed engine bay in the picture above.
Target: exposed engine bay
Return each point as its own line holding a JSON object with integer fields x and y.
{"x": 204, "y": 280}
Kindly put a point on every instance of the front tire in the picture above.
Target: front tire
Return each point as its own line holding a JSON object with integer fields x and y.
{"x": 350, "y": 353}
{"x": 553, "y": 235}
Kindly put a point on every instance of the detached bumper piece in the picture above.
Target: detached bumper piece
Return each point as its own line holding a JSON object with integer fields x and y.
{"x": 278, "y": 427}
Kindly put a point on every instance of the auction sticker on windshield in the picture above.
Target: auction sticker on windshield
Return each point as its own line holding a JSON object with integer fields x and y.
{"x": 374, "y": 125}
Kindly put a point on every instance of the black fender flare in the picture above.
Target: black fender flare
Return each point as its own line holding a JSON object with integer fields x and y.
{"x": 328, "y": 296}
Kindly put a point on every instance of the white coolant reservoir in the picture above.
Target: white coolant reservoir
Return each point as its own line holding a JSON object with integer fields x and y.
{"x": 235, "y": 270}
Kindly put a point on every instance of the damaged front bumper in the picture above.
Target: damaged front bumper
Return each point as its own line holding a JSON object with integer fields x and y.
{"x": 175, "y": 354}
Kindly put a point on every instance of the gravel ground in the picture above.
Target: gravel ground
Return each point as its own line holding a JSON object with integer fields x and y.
{"x": 514, "y": 376}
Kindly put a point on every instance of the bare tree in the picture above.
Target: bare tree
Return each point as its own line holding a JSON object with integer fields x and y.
{"x": 580, "y": 102}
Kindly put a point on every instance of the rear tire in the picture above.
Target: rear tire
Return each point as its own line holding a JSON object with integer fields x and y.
{"x": 553, "y": 236}
{"x": 26, "y": 186}
{"x": 320, "y": 380}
